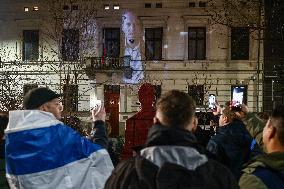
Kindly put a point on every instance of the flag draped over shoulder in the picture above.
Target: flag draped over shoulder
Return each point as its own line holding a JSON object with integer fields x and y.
{"x": 42, "y": 152}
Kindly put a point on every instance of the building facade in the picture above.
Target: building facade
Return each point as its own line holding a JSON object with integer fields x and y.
{"x": 105, "y": 50}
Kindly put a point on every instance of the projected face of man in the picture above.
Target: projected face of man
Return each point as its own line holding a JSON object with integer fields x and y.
{"x": 131, "y": 29}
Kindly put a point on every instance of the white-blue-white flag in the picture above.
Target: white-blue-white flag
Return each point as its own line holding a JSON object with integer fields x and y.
{"x": 42, "y": 152}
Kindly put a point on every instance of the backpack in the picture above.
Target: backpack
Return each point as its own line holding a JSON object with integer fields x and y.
{"x": 126, "y": 175}
{"x": 271, "y": 178}
{"x": 140, "y": 173}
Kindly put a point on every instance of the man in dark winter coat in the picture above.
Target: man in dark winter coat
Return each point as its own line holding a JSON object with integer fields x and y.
{"x": 172, "y": 157}
{"x": 231, "y": 144}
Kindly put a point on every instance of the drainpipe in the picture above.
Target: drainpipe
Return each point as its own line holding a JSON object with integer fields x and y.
{"x": 258, "y": 53}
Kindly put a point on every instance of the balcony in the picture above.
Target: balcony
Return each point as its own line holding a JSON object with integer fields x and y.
{"x": 107, "y": 65}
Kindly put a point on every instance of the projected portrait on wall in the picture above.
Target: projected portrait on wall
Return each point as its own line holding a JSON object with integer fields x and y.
{"x": 132, "y": 32}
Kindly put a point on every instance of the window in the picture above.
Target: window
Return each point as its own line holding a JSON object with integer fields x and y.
{"x": 74, "y": 7}
{"x": 196, "y": 43}
{"x": 192, "y": 4}
{"x": 159, "y": 5}
{"x": 112, "y": 89}
{"x": 30, "y": 44}
{"x": 116, "y": 7}
{"x": 70, "y": 98}
{"x": 240, "y": 43}
{"x": 153, "y": 43}
{"x": 202, "y": 4}
{"x": 111, "y": 42}
{"x": 106, "y": 7}
{"x": 197, "y": 93}
{"x": 70, "y": 45}
{"x": 148, "y": 5}
{"x": 66, "y": 7}
{"x": 35, "y": 8}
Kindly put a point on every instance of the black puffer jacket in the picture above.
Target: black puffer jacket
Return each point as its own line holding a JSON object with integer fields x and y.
{"x": 172, "y": 159}
{"x": 231, "y": 146}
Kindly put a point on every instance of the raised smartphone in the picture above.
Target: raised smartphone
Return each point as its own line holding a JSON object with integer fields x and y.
{"x": 95, "y": 104}
{"x": 212, "y": 101}
{"x": 238, "y": 97}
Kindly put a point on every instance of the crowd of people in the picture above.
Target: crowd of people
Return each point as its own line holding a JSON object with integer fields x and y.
{"x": 246, "y": 150}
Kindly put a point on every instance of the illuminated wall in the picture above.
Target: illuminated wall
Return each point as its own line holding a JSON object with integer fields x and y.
{"x": 173, "y": 71}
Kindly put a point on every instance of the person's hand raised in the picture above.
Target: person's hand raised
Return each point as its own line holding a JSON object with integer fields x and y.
{"x": 244, "y": 110}
{"x": 218, "y": 109}
{"x": 99, "y": 113}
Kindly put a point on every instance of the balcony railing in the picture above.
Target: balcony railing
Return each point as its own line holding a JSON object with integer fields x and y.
{"x": 108, "y": 63}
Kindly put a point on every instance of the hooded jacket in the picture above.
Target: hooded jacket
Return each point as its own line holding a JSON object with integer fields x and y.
{"x": 172, "y": 159}
{"x": 274, "y": 163}
{"x": 42, "y": 152}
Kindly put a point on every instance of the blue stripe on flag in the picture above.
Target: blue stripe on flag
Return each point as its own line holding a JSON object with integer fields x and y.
{"x": 42, "y": 149}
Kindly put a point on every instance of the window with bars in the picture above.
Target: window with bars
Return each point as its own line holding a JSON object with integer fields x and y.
{"x": 240, "y": 43}
{"x": 30, "y": 45}
{"x": 196, "y": 43}
{"x": 70, "y": 45}
{"x": 111, "y": 42}
{"x": 153, "y": 43}
{"x": 70, "y": 97}
{"x": 197, "y": 93}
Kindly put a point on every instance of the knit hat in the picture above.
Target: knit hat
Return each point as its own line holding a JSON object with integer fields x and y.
{"x": 37, "y": 97}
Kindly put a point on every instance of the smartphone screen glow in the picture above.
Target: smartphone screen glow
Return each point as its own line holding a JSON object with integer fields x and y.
{"x": 238, "y": 96}
{"x": 94, "y": 102}
{"x": 212, "y": 101}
